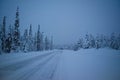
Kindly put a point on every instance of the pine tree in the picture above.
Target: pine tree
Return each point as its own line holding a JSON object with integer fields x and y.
{"x": 25, "y": 41}
{"x": 41, "y": 41}
{"x": 87, "y": 42}
{"x": 113, "y": 41}
{"x": 3, "y": 34}
{"x": 30, "y": 39}
{"x": 92, "y": 41}
{"x": 97, "y": 42}
{"x": 8, "y": 40}
{"x": 30, "y": 31}
{"x": 38, "y": 38}
{"x": 46, "y": 43}
{"x": 0, "y": 38}
{"x": 16, "y": 37}
{"x": 118, "y": 41}
{"x": 79, "y": 44}
{"x": 35, "y": 42}
{"x": 51, "y": 43}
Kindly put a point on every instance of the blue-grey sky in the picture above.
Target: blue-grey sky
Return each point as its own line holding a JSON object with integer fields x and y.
{"x": 66, "y": 20}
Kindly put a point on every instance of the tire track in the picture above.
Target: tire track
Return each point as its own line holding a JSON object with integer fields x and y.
{"x": 18, "y": 65}
{"x": 24, "y": 73}
{"x": 46, "y": 72}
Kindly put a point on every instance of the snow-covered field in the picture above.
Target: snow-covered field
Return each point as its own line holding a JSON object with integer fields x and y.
{"x": 85, "y": 64}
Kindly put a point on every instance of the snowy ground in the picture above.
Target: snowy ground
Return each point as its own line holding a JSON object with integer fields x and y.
{"x": 88, "y": 64}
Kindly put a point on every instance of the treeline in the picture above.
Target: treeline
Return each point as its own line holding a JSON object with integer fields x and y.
{"x": 99, "y": 41}
{"x": 11, "y": 40}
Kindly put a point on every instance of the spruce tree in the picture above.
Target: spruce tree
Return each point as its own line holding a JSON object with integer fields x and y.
{"x": 87, "y": 42}
{"x": 0, "y": 38}
{"x": 30, "y": 31}
{"x": 97, "y": 42}
{"x": 8, "y": 40}
{"x": 16, "y": 36}
{"x": 41, "y": 41}
{"x": 35, "y": 42}
{"x": 113, "y": 41}
{"x": 30, "y": 39}
{"x": 38, "y": 38}
{"x": 51, "y": 43}
{"x": 118, "y": 41}
{"x": 25, "y": 41}
{"x": 3, "y": 34}
{"x": 46, "y": 43}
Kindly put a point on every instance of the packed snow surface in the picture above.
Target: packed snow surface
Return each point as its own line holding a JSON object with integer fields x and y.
{"x": 85, "y": 64}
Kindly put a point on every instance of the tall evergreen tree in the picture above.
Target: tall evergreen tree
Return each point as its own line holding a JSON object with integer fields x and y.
{"x": 46, "y": 43}
{"x": 0, "y": 38}
{"x": 35, "y": 42}
{"x": 79, "y": 44}
{"x": 92, "y": 41}
{"x": 41, "y": 41}
{"x": 97, "y": 42}
{"x": 113, "y": 41}
{"x": 38, "y": 38}
{"x": 25, "y": 41}
{"x": 30, "y": 31}
{"x": 8, "y": 40}
{"x": 87, "y": 42}
{"x": 30, "y": 39}
{"x": 51, "y": 43}
{"x": 3, "y": 35}
{"x": 16, "y": 36}
{"x": 118, "y": 41}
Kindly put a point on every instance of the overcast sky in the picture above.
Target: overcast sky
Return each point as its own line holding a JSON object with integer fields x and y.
{"x": 66, "y": 20}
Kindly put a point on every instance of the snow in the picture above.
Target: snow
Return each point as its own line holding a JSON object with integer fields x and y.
{"x": 23, "y": 66}
{"x": 85, "y": 64}
{"x": 90, "y": 64}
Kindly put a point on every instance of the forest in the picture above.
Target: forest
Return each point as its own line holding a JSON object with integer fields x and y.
{"x": 98, "y": 41}
{"x": 13, "y": 41}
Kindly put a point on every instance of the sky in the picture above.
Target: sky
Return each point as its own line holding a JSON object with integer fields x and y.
{"x": 65, "y": 20}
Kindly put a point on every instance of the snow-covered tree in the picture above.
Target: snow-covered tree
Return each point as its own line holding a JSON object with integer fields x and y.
{"x": 0, "y": 38}
{"x": 79, "y": 44}
{"x": 113, "y": 41}
{"x": 25, "y": 41}
{"x": 41, "y": 41}
{"x": 46, "y": 43}
{"x": 51, "y": 43}
{"x": 97, "y": 42}
{"x": 118, "y": 41}
{"x": 91, "y": 41}
{"x": 35, "y": 42}
{"x": 38, "y": 38}
{"x": 8, "y": 42}
{"x": 11, "y": 40}
{"x": 30, "y": 39}
{"x": 3, "y": 34}
{"x": 86, "y": 42}
{"x": 16, "y": 36}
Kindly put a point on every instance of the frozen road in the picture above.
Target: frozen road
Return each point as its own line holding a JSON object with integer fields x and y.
{"x": 29, "y": 66}
{"x": 92, "y": 64}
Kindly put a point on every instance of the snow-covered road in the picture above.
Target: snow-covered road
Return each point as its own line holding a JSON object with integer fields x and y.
{"x": 29, "y": 66}
{"x": 89, "y": 64}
